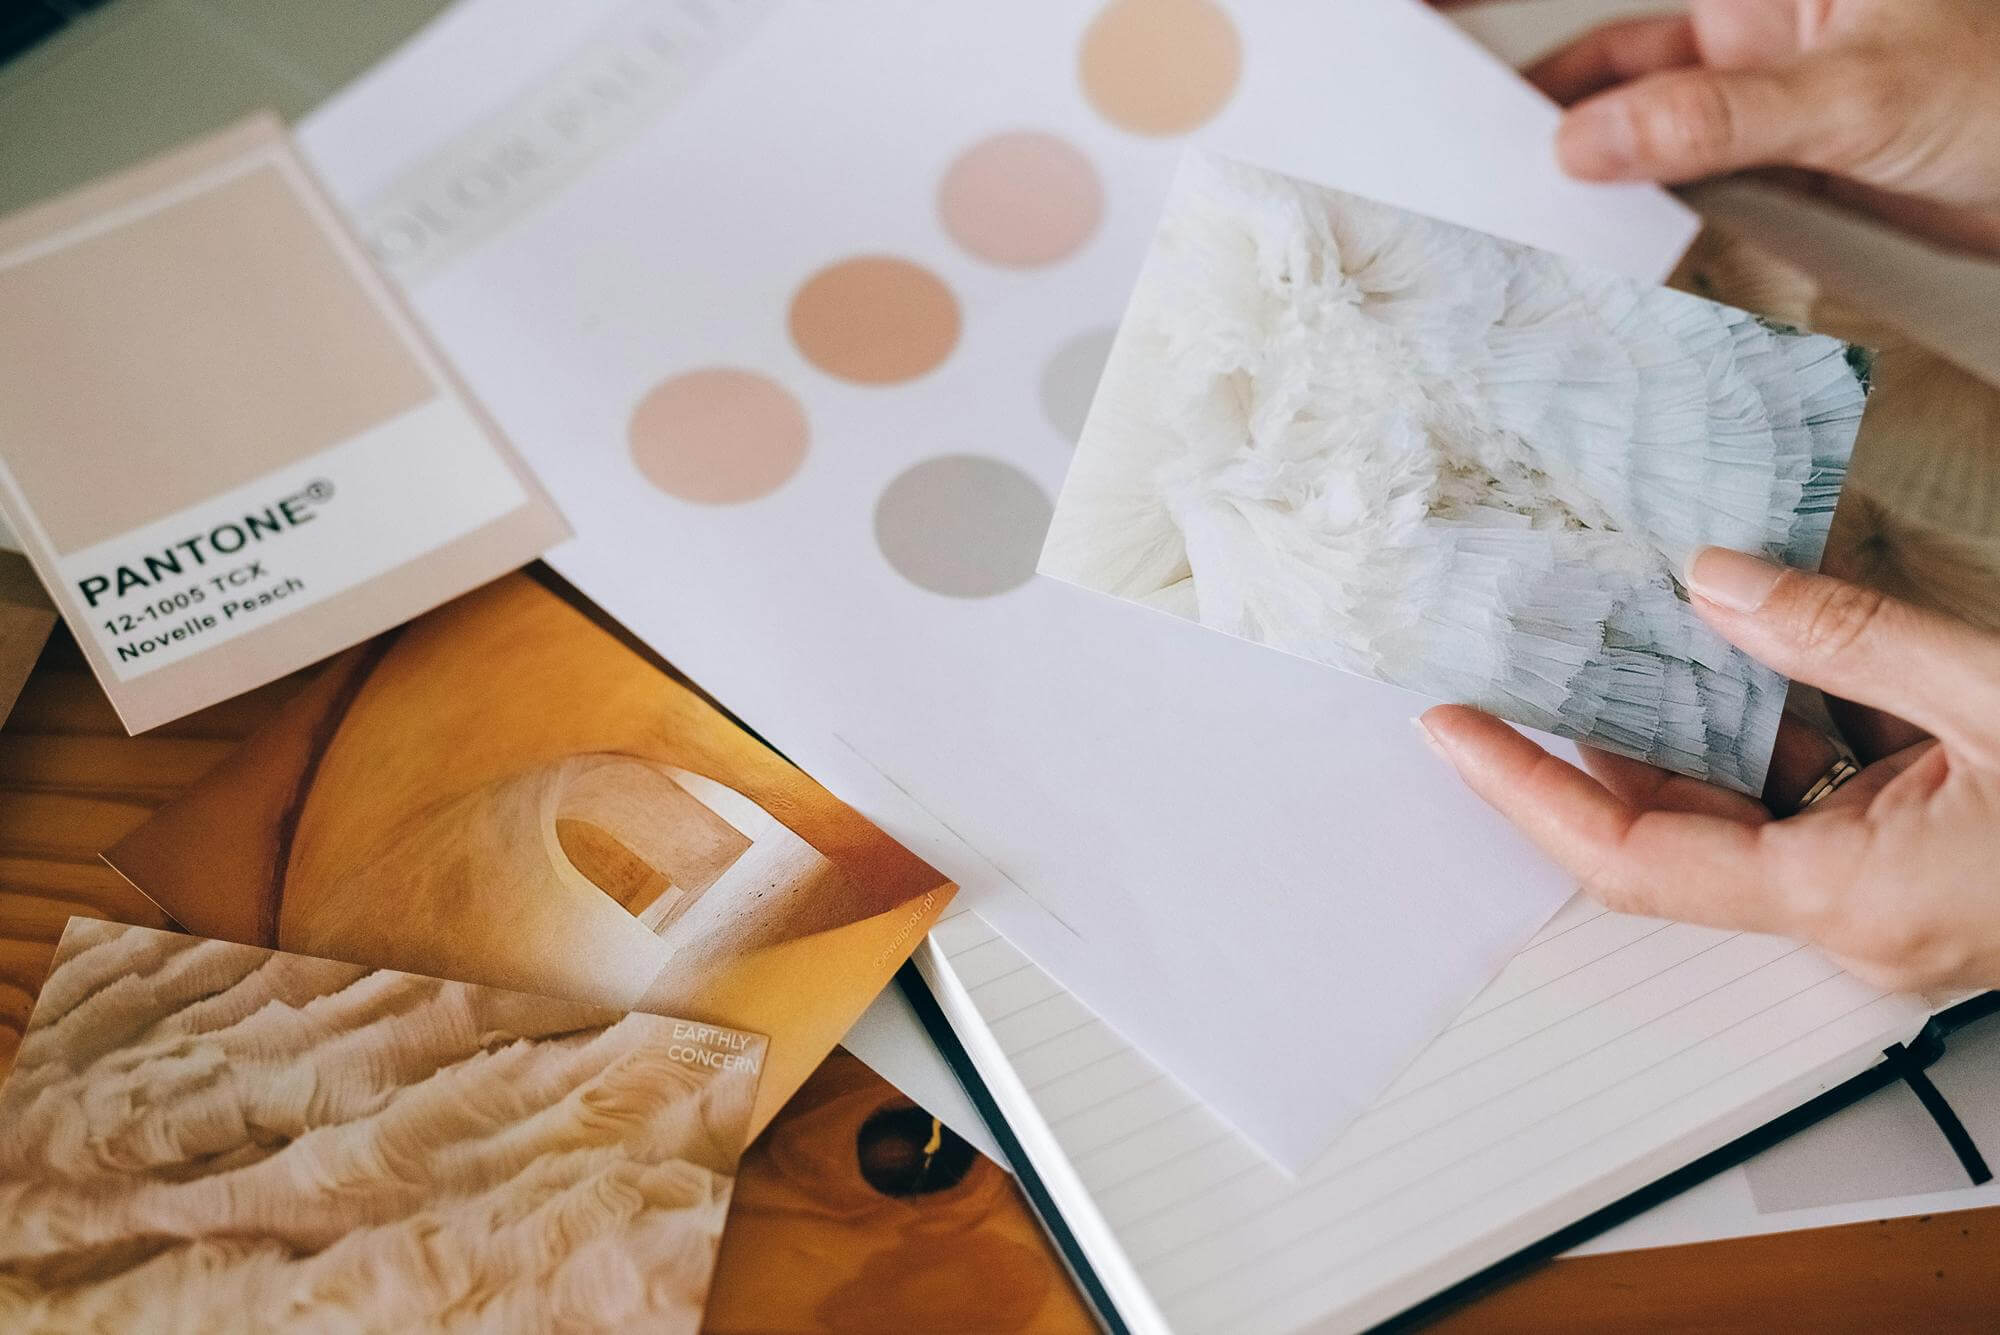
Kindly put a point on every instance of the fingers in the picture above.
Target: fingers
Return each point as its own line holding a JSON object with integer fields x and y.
{"x": 1852, "y": 642}
{"x": 1613, "y": 54}
{"x": 1650, "y": 788}
{"x": 1865, "y": 787}
{"x": 1971, "y": 230}
{"x": 1683, "y": 125}
{"x": 1872, "y": 733}
{"x": 1799, "y": 756}
{"x": 1695, "y": 866}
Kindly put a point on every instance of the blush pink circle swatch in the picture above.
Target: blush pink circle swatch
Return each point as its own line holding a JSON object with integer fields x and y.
{"x": 1022, "y": 199}
{"x": 718, "y": 436}
{"x": 1160, "y": 67}
{"x": 875, "y": 320}
{"x": 963, "y": 525}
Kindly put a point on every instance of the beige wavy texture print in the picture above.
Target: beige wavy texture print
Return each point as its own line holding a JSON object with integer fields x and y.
{"x": 201, "y": 1136}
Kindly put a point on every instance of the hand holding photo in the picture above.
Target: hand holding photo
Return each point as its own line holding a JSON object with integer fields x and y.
{"x": 1454, "y": 463}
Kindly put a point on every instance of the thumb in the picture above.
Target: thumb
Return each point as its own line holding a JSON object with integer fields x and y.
{"x": 1853, "y": 642}
{"x": 1686, "y": 124}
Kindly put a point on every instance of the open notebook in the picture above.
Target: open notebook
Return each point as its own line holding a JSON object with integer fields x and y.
{"x": 1612, "y": 1052}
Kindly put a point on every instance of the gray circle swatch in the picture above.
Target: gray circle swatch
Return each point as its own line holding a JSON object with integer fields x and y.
{"x": 1070, "y": 380}
{"x": 962, "y": 525}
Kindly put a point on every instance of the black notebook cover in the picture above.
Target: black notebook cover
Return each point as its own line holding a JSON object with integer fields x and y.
{"x": 1902, "y": 1062}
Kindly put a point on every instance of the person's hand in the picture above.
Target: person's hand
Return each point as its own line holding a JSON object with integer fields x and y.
{"x": 1889, "y": 105}
{"x": 1896, "y": 874}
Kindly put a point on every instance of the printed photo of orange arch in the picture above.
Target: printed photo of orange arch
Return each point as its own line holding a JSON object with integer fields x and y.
{"x": 502, "y": 793}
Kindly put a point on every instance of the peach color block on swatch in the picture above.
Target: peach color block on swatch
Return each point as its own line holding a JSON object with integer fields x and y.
{"x": 1022, "y": 198}
{"x": 197, "y": 348}
{"x": 718, "y": 436}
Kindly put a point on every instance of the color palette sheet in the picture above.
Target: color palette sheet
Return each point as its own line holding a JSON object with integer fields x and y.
{"x": 797, "y": 310}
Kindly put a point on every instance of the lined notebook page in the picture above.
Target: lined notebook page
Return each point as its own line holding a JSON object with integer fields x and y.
{"x": 1610, "y": 1051}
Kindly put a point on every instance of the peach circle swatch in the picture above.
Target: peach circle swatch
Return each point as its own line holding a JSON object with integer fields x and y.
{"x": 1160, "y": 66}
{"x": 963, "y": 525}
{"x": 718, "y": 436}
{"x": 875, "y": 320}
{"x": 1022, "y": 198}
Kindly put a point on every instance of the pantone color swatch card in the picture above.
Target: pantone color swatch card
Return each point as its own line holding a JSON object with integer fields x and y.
{"x": 204, "y": 1135}
{"x": 225, "y": 445}
{"x": 1454, "y": 463}
{"x": 26, "y": 618}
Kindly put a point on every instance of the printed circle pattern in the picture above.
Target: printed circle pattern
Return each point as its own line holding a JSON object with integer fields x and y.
{"x": 718, "y": 436}
{"x": 1021, "y": 199}
{"x": 1069, "y": 380}
{"x": 1160, "y": 67}
{"x": 962, "y": 525}
{"x": 875, "y": 320}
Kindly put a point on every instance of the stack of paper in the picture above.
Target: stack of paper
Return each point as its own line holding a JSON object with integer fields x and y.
{"x": 796, "y": 315}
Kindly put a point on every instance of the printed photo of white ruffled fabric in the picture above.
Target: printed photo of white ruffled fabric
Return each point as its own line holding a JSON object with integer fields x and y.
{"x": 203, "y": 1136}
{"x": 1454, "y": 463}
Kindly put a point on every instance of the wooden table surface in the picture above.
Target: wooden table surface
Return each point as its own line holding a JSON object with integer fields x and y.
{"x": 828, "y": 1230}
{"x": 813, "y": 1242}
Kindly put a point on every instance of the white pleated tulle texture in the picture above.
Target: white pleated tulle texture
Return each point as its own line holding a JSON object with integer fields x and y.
{"x": 1454, "y": 463}
{"x": 199, "y": 1136}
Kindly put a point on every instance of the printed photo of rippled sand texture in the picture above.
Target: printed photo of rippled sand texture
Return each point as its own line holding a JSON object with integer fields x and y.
{"x": 205, "y": 1136}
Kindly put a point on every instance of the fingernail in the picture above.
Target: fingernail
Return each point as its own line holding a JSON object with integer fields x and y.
{"x": 1734, "y": 580}
{"x": 1596, "y": 141}
{"x": 1431, "y": 739}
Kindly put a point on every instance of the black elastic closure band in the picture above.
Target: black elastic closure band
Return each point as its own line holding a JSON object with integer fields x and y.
{"x": 1910, "y": 1066}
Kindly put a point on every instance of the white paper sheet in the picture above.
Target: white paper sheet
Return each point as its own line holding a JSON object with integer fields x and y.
{"x": 1248, "y": 865}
